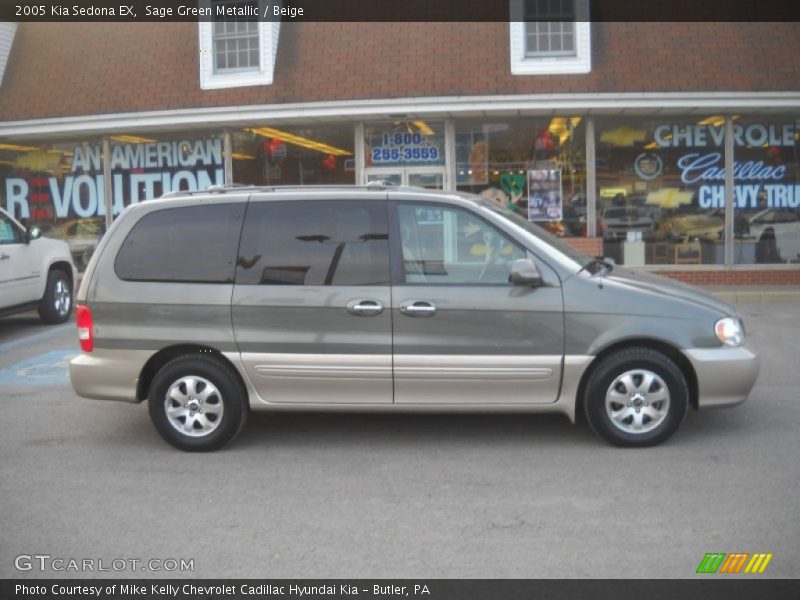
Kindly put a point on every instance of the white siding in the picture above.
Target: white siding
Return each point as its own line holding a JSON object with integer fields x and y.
{"x": 7, "y": 31}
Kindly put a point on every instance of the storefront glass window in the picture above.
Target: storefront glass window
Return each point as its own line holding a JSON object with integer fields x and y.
{"x": 405, "y": 152}
{"x": 766, "y": 190}
{"x": 59, "y": 186}
{"x": 285, "y": 155}
{"x": 660, "y": 196}
{"x": 535, "y": 166}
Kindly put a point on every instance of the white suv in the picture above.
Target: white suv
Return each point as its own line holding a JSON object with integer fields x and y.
{"x": 35, "y": 272}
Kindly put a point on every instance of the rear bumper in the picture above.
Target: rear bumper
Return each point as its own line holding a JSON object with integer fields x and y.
{"x": 725, "y": 376}
{"x": 107, "y": 374}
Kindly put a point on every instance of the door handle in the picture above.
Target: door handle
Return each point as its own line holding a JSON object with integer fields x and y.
{"x": 365, "y": 307}
{"x": 4, "y": 257}
{"x": 418, "y": 308}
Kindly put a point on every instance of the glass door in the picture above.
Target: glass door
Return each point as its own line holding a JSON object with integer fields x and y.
{"x": 431, "y": 178}
{"x": 425, "y": 177}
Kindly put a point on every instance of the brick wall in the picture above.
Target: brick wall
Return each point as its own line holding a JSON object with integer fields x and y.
{"x": 60, "y": 69}
{"x": 591, "y": 246}
{"x": 736, "y": 277}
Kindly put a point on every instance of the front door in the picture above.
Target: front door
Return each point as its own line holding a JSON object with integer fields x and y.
{"x": 20, "y": 276}
{"x": 462, "y": 333}
{"x": 311, "y": 303}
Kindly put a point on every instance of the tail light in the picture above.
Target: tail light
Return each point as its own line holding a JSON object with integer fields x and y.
{"x": 83, "y": 316}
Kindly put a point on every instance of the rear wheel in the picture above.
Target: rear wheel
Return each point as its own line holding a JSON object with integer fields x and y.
{"x": 636, "y": 397}
{"x": 56, "y": 304}
{"x": 197, "y": 403}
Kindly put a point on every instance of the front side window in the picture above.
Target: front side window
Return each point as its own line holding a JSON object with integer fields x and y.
{"x": 450, "y": 245}
{"x": 183, "y": 245}
{"x": 322, "y": 242}
{"x": 9, "y": 233}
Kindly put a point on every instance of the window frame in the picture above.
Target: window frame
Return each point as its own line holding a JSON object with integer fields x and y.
{"x": 396, "y": 246}
{"x": 258, "y": 203}
{"x": 242, "y": 205}
{"x": 18, "y": 234}
{"x": 523, "y": 63}
{"x": 210, "y": 79}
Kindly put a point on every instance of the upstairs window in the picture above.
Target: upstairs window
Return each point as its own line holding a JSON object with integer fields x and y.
{"x": 236, "y": 53}
{"x": 237, "y": 46}
{"x": 550, "y": 37}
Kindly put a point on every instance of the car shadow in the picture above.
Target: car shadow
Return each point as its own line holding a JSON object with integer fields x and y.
{"x": 324, "y": 429}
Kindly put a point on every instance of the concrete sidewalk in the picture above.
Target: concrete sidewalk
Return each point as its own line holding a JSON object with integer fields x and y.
{"x": 755, "y": 293}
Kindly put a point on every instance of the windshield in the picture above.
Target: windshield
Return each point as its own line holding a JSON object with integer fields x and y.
{"x": 539, "y": 232}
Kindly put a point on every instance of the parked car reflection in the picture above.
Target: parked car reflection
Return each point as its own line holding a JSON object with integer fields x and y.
{"x": 782, "y": 224}
{"x": 82, "y": 236}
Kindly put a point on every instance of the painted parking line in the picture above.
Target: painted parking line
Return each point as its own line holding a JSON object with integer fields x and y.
{"x": 35, "y": 338}
{"x": 50, "y": 368}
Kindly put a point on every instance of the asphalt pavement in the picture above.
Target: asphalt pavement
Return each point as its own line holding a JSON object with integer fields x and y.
{"x": 423, "y": 496}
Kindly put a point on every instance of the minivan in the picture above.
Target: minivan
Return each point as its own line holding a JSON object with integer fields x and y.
{"x": 210, "y": 304}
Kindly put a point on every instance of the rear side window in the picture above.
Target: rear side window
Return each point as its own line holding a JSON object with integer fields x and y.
{"x": 326, "y": 242}
{"x": 195, "y": 244}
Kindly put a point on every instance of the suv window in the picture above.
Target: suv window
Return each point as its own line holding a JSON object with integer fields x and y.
{"x": 195, "y": 244}
{"x": 449, "y": 245}
{"x": 315, "y": 242}
{"x": 9, "y": 233}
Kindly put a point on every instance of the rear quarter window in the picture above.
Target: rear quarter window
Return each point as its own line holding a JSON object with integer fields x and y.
{"x": 195, "y": 244}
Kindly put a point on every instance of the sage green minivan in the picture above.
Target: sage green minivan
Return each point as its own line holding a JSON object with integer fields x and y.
{"x": 210, "y": 304}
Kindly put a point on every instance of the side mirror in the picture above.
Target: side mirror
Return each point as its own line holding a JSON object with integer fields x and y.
{"x": 524, "y": 272}
{"x": 32, "y": 233}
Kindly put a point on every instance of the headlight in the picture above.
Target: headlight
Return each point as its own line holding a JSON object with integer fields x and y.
{"x": 729, "y": 331}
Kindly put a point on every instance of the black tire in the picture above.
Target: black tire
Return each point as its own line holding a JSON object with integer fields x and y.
{"x": 638, "y": 363}
{"x": 57, "y": 292}
{"x": 231, "y": 395}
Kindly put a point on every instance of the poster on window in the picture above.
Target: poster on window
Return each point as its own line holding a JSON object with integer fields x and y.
{"x": 544, "y": 195}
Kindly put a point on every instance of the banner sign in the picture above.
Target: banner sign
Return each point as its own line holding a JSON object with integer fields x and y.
{"x": 138, "y": 172}
{"x": 754, "y": 179}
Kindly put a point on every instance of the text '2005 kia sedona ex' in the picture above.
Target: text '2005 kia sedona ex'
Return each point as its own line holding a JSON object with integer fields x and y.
{"x": 208, "y": 305}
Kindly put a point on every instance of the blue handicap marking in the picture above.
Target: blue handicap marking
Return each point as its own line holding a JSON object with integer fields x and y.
{"x": 50, "y": 368}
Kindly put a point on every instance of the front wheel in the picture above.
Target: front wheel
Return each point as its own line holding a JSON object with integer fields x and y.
{"x": 197, "y": 403}
{"x": 636, "y": 397}
{"x": 56, "y": 304}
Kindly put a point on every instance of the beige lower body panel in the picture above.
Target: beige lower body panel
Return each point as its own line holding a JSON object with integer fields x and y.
{"x": 725, "y": 376}
{"x": 476, "y": 379}
{"x": 106, "y": 374}
{"x": 320, "y": 378}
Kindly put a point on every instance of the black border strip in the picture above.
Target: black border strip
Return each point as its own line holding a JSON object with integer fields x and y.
{"x": 709, "y": 587}
{"x": 98, "y": 11}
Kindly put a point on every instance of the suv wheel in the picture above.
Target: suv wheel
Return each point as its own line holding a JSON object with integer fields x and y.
{"x": 56, "y": 304}
{"x": 197, "y": 403}
{"x": 636, "y": 397}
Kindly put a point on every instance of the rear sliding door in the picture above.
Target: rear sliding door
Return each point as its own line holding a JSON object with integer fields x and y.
{"x": 311, "y": 302}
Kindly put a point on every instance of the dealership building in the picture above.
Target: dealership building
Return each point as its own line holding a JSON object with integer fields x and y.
{"x": 671, "y": 147}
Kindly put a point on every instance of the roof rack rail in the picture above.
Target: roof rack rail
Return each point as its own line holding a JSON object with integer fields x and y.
{"x": 239, "y": 187}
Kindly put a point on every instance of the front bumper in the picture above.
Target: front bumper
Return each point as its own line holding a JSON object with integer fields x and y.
{"x": 725, "y": 376}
